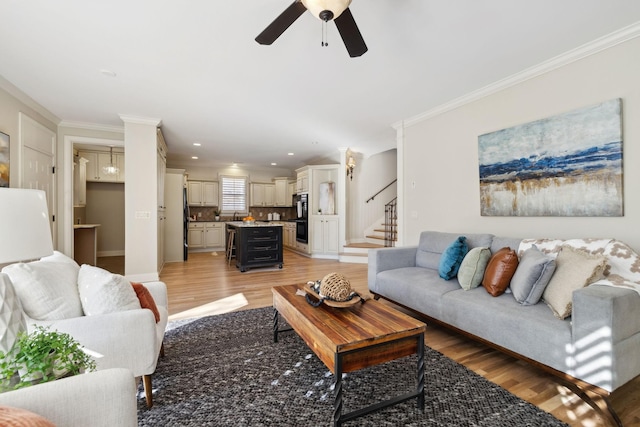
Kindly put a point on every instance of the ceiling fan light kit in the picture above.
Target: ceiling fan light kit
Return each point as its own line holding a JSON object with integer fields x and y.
{"x": 325, "y": 10}
{"x": 319, "y": 8}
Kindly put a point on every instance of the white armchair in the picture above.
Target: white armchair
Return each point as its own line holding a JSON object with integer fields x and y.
{"x": 98, "y": 399}
{"x": 128, "y": 339}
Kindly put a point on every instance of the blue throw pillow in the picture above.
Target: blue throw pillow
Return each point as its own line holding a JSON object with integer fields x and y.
{"x": 452, "y": 257}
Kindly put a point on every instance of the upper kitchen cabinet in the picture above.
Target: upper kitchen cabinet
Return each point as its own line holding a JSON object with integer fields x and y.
{"x": 79, "y": 181}
{"x": 284, "y": 191}
{"x": 162, "y": 167}
{"x": 98, "y": 160}
{"x": 202, "y": 193}
{"x": 302, "y": 181}
{"x": 263, "y": 194}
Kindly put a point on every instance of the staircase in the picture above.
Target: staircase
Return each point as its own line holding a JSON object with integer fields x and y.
{"x": 358, "y": 253}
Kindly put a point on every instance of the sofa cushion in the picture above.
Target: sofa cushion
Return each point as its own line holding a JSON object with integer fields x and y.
{"x": 472, "y": 267}
{"x": 47, "y": 288}
{"x": 18, "y": 417}
{"x": 433, "y": 243}
{"x": 415, "y": 287}
{"x": 532, "y": 276}
{"x": 452, "y": 258}
{"x": 103, "y": 292}
{"x": 575, "y": 269}
{"x": 500, "y": 270}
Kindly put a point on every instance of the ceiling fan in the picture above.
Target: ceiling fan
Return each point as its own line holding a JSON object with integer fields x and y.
{"x": 325, "y": 10}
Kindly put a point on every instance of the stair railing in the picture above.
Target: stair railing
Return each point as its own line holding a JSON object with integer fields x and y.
{"x": 390, "y": 223}
{"x": 384, "y": 188}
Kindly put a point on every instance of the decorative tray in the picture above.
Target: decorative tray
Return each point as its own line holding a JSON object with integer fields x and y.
{"x": 310, "y": 290}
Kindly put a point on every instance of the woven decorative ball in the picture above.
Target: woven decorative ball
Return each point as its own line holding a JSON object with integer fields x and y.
{"x": 336, "y": 287}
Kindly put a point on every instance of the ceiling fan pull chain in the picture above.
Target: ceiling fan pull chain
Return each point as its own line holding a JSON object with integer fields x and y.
{"x": 324, "y": 34}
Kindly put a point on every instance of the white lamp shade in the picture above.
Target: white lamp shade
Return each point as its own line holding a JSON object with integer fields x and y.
{"x": 317, "y": 6}
{"x": 24, "y": 225}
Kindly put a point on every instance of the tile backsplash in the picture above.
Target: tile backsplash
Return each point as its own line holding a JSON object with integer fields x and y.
{"x": 259, "y": 213}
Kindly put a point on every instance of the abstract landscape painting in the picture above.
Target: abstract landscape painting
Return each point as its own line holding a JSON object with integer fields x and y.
{"x": 4, "y": 160}
{"x": 565, "y": 165}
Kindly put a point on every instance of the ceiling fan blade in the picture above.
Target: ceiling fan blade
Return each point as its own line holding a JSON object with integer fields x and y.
{"x": 281, "y": 23}
{"x": 350, "y": 34}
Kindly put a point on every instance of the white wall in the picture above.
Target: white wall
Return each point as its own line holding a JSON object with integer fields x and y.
{"x": 440, "y": 153}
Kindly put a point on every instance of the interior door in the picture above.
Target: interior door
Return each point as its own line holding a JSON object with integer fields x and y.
{"x": 38, "y": 161}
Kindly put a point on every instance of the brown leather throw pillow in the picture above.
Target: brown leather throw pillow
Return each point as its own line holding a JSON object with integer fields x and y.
{"x": 500, "y": 270}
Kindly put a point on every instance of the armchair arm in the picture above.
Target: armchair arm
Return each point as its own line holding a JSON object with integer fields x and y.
{"x": 100, "y": 399}
{"x": 388, "y": 259}
{"x": 126, "y": 339}
{"x": 159, "y": 292}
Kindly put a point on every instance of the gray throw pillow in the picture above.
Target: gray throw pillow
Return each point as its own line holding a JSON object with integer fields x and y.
{"x": 472, "y": 268}
{"x": 532, "y": 276}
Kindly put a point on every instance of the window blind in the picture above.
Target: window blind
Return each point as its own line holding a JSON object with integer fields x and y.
{"x": 234, "y": 194}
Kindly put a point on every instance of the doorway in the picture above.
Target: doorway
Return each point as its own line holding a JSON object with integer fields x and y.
{"x": 103, "y": 204}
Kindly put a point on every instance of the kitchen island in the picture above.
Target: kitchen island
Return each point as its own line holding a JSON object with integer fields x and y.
{"x": 258, "y": 244}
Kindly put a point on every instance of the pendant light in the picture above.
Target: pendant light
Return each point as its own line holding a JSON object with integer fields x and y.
{"x": 111, "y": 169}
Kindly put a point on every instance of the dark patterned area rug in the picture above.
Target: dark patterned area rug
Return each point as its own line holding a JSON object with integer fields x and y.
{"x": 226, "y": 370}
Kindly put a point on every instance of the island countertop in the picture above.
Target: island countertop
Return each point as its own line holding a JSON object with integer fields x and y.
{"x": 255, "y": 224}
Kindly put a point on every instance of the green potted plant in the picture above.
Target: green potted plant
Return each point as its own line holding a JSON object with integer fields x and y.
{"x": 41, "y": 356}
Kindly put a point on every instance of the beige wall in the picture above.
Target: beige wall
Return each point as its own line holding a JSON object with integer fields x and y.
{"x": 10, "y": 107}
{"x": 440, "y": 154}
{"x": 105, "y": 206}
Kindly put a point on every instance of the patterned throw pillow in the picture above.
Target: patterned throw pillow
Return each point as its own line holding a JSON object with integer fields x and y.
{"x": 452, "y": 257}
{"x": 532, "y": 276}
{"x": 575, "y": 269}
{"x": 472, "y": 268}
{"x": 500, "y": 270}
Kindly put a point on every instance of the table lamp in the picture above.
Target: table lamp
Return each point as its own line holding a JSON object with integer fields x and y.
{"x": 25, "y": 235}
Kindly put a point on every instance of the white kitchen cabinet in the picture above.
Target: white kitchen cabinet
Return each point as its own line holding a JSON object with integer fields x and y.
{"x": 196, "y": 235}
{"x": 213, "y": 234}
{"x": 324, "y": 236}
{"x": 202, "y": 193}
{"x": 162, "y": 167}
{"x": 80, "y": 182}
{"x": 263, "y": 194}
{"x": 291, "y": 190}
{"x": 97, "y": 160}
{"x": 206, "y": 235}
{"x": 161, "y": 230}
{"x": 302, "y": 182}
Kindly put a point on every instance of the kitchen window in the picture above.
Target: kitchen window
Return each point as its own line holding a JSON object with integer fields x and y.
{"x": 234, "y": 194}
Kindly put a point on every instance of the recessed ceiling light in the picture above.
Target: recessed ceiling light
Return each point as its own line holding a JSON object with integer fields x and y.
{"x": 274, "y": 164}
{"x": 107, "y": 73}
{"x": 197, "y": 144}
{"x": 289, "y": 154}
{"x": 194, "y": 157}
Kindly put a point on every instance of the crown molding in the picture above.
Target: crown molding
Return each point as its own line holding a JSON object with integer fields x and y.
{"x": 603, "y": 43}
{"x": 140, "y": 120}
{"x": 13, "y": 90}
{"x": 91, "y": 126}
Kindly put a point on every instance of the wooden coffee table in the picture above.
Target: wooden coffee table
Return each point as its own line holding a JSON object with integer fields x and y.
{"x": 348, "y": 339}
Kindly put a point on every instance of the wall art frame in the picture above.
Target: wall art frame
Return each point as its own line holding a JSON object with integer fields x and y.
{"x": 5, "y": 160}
{"x": 569, "y": 164}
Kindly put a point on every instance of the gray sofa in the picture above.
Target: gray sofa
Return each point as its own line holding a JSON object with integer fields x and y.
{"x": 597, "y": 346}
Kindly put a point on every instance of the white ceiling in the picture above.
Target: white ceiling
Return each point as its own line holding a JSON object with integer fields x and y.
{"x": 195, "y": 65}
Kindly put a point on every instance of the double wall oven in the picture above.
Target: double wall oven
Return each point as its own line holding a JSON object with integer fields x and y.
{"x": 300, "y": 201}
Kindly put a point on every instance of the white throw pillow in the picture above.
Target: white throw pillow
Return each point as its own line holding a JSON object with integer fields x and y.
{"x": 47, "y": 288}
{"x": 103, "y": 292}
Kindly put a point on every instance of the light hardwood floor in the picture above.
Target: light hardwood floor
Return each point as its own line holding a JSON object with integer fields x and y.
{"x": 206, "y": 285}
